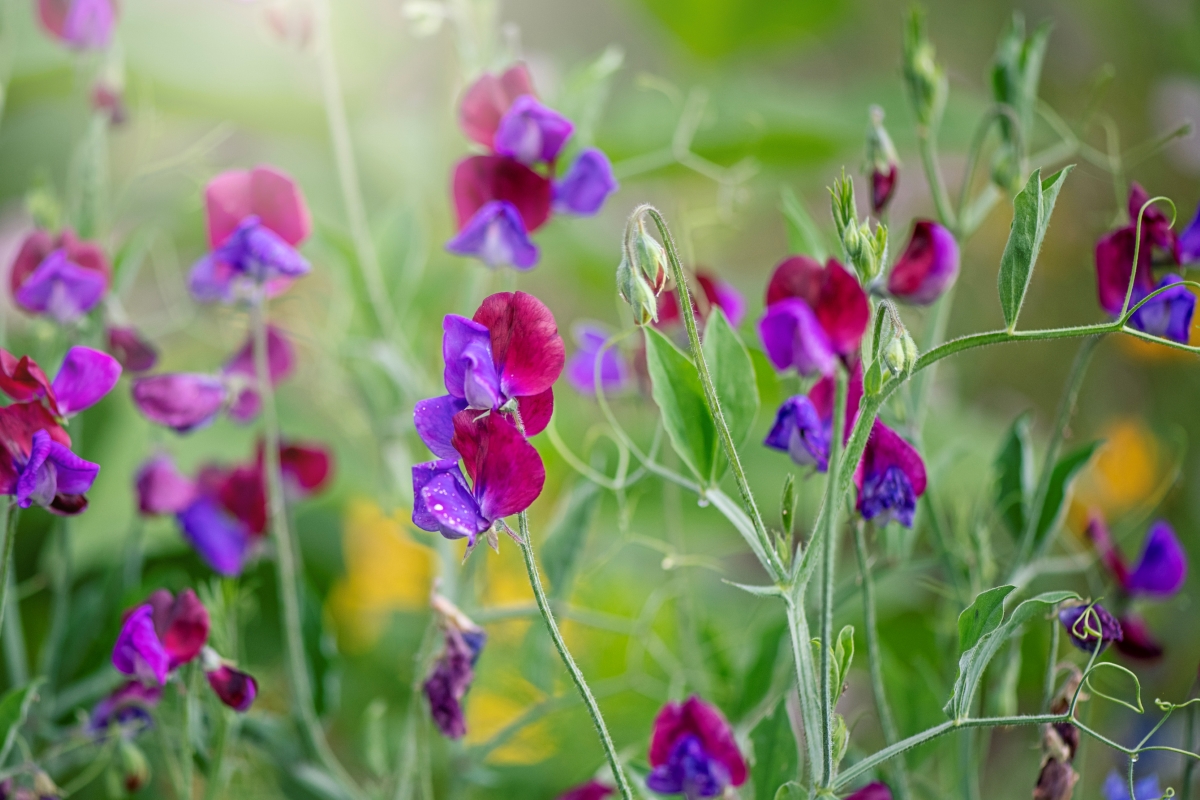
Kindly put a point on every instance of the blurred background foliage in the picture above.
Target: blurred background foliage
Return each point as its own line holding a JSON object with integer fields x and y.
{"x": 708, "y": 108}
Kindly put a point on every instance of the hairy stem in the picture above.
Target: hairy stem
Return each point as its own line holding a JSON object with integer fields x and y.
{"x": 589, "y": 700}
{"x": 806, "y": 681}
{"x": 927, "y": 145}
{"x": 10, "y": 538}
{"x": 285, "y": 562}
{"x": 829, "y": 543}
{"x": 875, "y": 660}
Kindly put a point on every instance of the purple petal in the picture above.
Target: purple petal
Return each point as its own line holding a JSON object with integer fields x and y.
{"x": 61, "y": 289}
{"x": 496, "y": 236}
{"x": 1114, "y": 260}
{"x": 615, "y": 375}
{"x": 1080, "y": 624}
{"x": 212, "y": 280}
{"x": 235, "y": 688}
{"x": 1169, "y": 314}
{"x": 800, "y": 432}
{"x": 162, "y": 489}
{"x": 138, "y": 651}
{"x": 531, "y": 132}
{"x": 793, "y": 338}
{"x": 181, "y": 622}
{"x": 182, "y": 401}
{"x": 89, "y": 23}
{"x": 86, "y": 375}
{"x": 219, "y": 538}
{"x": 281, "y": 362}
{"x": 1116, "y": 787}
{"x": 36, "y": 482}
{"x": 586, "y": 186}
{"x": 1189, "y": 241}
{"x": 448, "y": 682}
{"x": 890, "y": 477}
{"x": 927, "y": 267}
{"x": 434, "y": 421}
{"x": 876, "y": 790}
{"x": 131, "y": 351}
{"x": 443, "y": 502}
{"x": 1162, "y": 567}
{"x": 470, "y": 371}
{"x": 252, "y": 256}
{"x": 73, "y": 475}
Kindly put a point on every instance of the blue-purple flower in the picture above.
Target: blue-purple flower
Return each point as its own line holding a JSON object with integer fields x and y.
{"x": 1116, "y": 787}
{"x": 530, "y": 132}
{"x": 890, "y": 478}
{"x": 496, "y": 235}
{"x": 1090, "y": 625}
{"x": 586, "y": 186}
{"x": 693, "y": 752}
{"x": 128, "y": 704}
{"x": 59, "y": 276}
{"x": 452, "y": 673}
{"x": 614, "y": 371}
{"x": 927, "y": 267}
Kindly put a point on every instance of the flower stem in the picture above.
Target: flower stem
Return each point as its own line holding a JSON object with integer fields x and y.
{"x": 539, "y": 593}
{"x": 226, "y": 733}
{"x": 806, "y": 679}
{"x": 927, "y": 145}
{"x": 829, "y": 536}
{"x": 285, "y": 562}
{"x": 187, "y": 759}
{"x": 10, "y": 538}
{"x": 875, "y": 660}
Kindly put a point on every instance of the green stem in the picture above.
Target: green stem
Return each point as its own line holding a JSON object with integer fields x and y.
{"x": 875, "y": 659}
{"x": 187, "y": 759}
{"x": 286, "y": 562}
{"x": 215, "y": 785}
{"x": 16, "y": 657}
{"x": 806, "y": 679}
{"x": 927, "y": 145}
{"x": 829, "y": 543}
{"x": 10, "y": 538}
{"x": 1051, "y": 668}
{"x": 1189, "y": 737}
{"x": 539, "y": 593}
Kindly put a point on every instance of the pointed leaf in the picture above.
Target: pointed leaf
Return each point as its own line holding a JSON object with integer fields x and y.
{"x": 1014, "y": 476}
{"x": 803, "y": 236}
{"x": 676, "y": 389}
{"x": 843, "y": 656}
{"x": 757, "y": 591}
{"x": 776, "y": 759}
{"x": 982, "y": 617}
{"x": 14, "y": 708}
{"x": 733, "y": 377}
{"x": 1031, "y": 217}
{"x": 1060, "y": 482}
{"x": 791, "y": 791}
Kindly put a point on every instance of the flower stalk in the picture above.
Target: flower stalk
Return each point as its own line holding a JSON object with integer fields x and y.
{"x": 13, "y": 514}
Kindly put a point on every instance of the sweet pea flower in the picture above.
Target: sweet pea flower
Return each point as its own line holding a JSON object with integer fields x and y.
{"x": 79, "y": 24}
{"x": 1116, "y": 787}
{"x": 138, "y": 650}
{"x": 890, "y": 478}
{"x": 1160, "y": 570}
{"x": 506, "y": 474}
{"x": 242, "y": 375}
{"x": 588, "y": 183}
{"x": 234, "y": 688}
{"x": 488, "y": 99}
{"x": 37, "y": 466}
{"x": 128, "y": 704}
{"x": 530, "y": 132}
{"x": 255, "y": 219}
{"x": 615, "y": 373}
{"x": 717, "y": 294}
{"x": 509, "y": 351}
{"x": 1083, "y": 622}
{"x": 1056, "y": 780}
{"x": 129, "y": 348}
{"x": 592, "y": 790}
{"x": 496, "y": 235}
{"x": 1188, "y": 242}
{"x": 59, "y": 276}
{"x": 1137, "y": 641}
{"x": 1156, "y": 226}
{"x": 872, "y": 791}
{"x": 1167, "y": 315}
{"x": 804, "y": 423}
{"x": 693, "y": 752}
{"x": 452, "y": 673}
{"x": 814, "y": 315}
{"x": 927, "y": 267}
{"x": 163, "y": 489}
{"x": 83, "y": 379}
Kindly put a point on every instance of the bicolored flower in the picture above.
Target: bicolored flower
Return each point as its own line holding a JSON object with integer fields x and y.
{"x": 510, "y": 351}
{"x": 506, "y": 476}
{"x": 890, "y": 478}
{"x": 1116, "y": 787}
{"x": 1160, "y": 570}
{"x": 37, "y": 466}
{"x": 804, "y": 423}
{"x": 1089, "y": 625}
{"x": 453, "y": 671}
{"x": 1156, "y": 226}
{"x": 128, "y": 704}
{"x": 615, "y": 374}
{"x": 487, "y": 100}
{"x": 496, "y": 235}
{"x": 161, "y": 488}
{"x": 814, "y": 315}
{"x": 693, "y": 752}
{"x": 530, "y": 132}
{"x": 717, "y": 294}
{"x": 129, "y": 348}
{"x": 256, "y": 219}
{"x": 83, "y": 379}
{"x": 1169, "y": 314}
{"x": 592, "y": 790}
{"x": 232, "y": 686}
{"x": 79, "y": 24}
{"x": 927, "y": 267}
{"x": 872, "y": 791}
{"x": 59, "y": 276}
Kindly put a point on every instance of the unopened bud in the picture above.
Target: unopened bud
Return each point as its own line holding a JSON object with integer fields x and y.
{"x": 900, "y": 355}
{"x": 135, "y": 769}
{"x": 882, "y": 162}
{"x": 925, "y": 78}
{"x": 650, "y": 258}
{"x": 637, "y": 293}
{"x": 1056, "y": 781}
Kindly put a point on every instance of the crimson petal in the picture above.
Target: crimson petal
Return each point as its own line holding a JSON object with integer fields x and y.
{"x": 506, "y": 469}
{"x": 526, "y": 346}
{"x": 181, "y": 622}
{"x": 479, "y": 180}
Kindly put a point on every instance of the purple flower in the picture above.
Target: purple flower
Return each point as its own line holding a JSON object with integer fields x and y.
{"x": 1136, "y": 640}
{"x": 138, "y": 650}
{"x": 131, "y": 351}
{"x": 793, "y": 337}
{"x": 35, "y": 451}
{"x": 1156, "y": 226}
{"x": 1089, "y": 625}
{"x": 1169, "y": 314}
{"x": 281, "y": 362}
{"x": 487, "y": 100}
{"x": 717, "y": 294}
{"x": 61, "y": 289}
{"x": 800, "y": 432}
{"x": 453, "y": 672}
{"x": 51, "y": 470}
{"x": 927, "y": 267}
{"x": 587, "y": 184}
{"x": 814, "y": 314}
{"x": 592, "y": 790}
{"x": 510, "y": 350}
{"x": 890, "y": 477}
{"x": 496, "y": 235}
{"x": 235, "y": 688}
{"x": 531, "y": 132}
{"x": 872, "y": 791}
{"x": 253, "y": 256}
{"x": 181, "y": 623}
{"x": 1116, "y": 787}
{"x": 221, "y": 539}
{"x": 161, "y": 488}
{"x": 81, "y": 24}
{"x": 1114, "y": 261}
{"x": 182, "y": 401}
{"x": 693, "y": 751}
{"x": 130, "y": 702}
{"x": 615, "y": 374}
{"x": 506, "y": 474}
{"x": 1189, "y": 241}
{"x": 1056, "y": 780}
{"x": 1161, "y": 569}
{"x": 86, "y": 376}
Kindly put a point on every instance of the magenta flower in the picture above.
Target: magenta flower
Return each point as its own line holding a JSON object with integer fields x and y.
{"x": 1090, "y": 625}
{"x": 717, "y": 294}
{"x": 1160, "y": 570}
{"x": 59, "y": 276}
{"x": 181, "y": 624}
{"x": 615, "y": 373}
{"x": 814, "y": 314}
{"x": 38, "y": 466}
{"x": 131, "y": 351}
{"x": 182, "y": 401}
{"x": 241, "y": 373}
{"x": 161, "y": 488}
{"x": 1156, "y": 227}
{"x": 79, "y": 24}
{"x": 890, "y": 478}
{"x": 592, "y": 790}
{"x": 1136, "y": 640}
{"x": 128, "y": 704}
{"x": 506, "y": 473}
{"x": 235, "y": 688}
{"x": 872, "y": 791}
{"x": 83, "y": 379}
{"x": 1188, "y": 242}
{"x": 530, "y": 132}
{"x": 587, "y": 184}
{"x": 693, "y": 751}
{"x": 138, "y": 650}
{"x": 509, "y": 351}
{"x": 927, "y": 267}
{"x": 883, "y": 186}
{"x": 220, "y": 539}
{"x": 451, "y": 677}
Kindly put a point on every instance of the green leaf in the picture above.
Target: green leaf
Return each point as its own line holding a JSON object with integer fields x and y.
{"x": 757, "y": 591}
{"x": 1014, "y": 476}
{"x": 733, "y": 377}
{"x": 676, "y": 389}
{"x": 1031, "y": 217}
{"x": 568, "y": 535}
{"x": 791, "y": 791}
{"x": 982, "y": 617}
{"x": 843, "y": 657}
{"x": 1060, "y": 481}
{"x": 776, "y": 760}
{"x": 973, "y": 662}
{"x": 803, "y": 236}
{"x": 14, "y": 708}
{"x": 1090, "y": 682}
{"x": 756, "y": 680}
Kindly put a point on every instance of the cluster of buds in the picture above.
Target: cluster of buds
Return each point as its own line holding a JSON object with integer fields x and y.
{"x": 642, "y": 273}
{"x": 926, "y": 80}
{"x": 1016, "y": 69}
{"x": 865, "y": 249}
{"x": 1057, "y": 777}
{"x": 883, "y": 164}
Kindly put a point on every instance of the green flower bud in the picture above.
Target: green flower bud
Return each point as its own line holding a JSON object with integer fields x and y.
{"x": 637, "y": 292}
{"x": 135, "y": 769}
{"x": 900, "y": 355}
{"x": 926, "y": 80}
{"x": 650, "y": 258}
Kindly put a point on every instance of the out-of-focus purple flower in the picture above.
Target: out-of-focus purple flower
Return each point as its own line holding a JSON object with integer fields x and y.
{"x": 24, "y": 381}
{"x": 488, "y": 99}
{"x": 132, "y": 351}
{"x": 33, "y": 448}
{"x": 890, "y": 477}
{"x": 235, "y": 688}
{"x": 482, "y": 180}
{"x": 1169, "y": 314}
{"x": 693, "y": 751}
{"x": 1114, "y": 261}
{"x": 510, "y": 350}
{"x": 1136, "y": 639}
{"x": 1116, "y": 787}
{"x": 252, "y": 257}
{"x": 883, "y": 186}
{"x": 266, "y": 193}
{"x": 1156, "y": 226}
{"x": 50, "y": 470}
{"x": 79, "y": 24}
{"x": 453, "y": 672}
{"x": 531, "y": 132}
{"x": 1189, "y": 241}
{"x": 220, "y": 538}
{"x": 506, "y": 473}
{"x": 182, "y": 401}
{"x": 800, "y": 432}
{"x": 281, "y": 363}
{"x": 130, "y": 702}
{"x": 588, "y": 183}
{"x": 927, "y": 267}
{"x": 58, "y": 275}
{"x": 872, "y": 791}
{"x": 592, "y": 790}
{"x": 138, "y": 650}
{"x": 161, "y": 488}
{"x": 882, "y": 162}
{"x": 793, "y": 337}
{"x": 181, "y": 624}
{"x": 109, "y": 100}
{"x": 614, "y": 372}
{"x": 496, "y": 235}
{"x": 86, "y": 376}
{"x": 1089, "y": 625}
{"x": 1160, "y": 570}
{"x": 717, "y": 294}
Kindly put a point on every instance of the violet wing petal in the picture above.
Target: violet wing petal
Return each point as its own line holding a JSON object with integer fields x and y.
{"x": 73, "y": 475}
{"x": 182, "y": 401}
{"x": 470, "y": 370}
{"x": 447, "y": 500}
{"x": 587, "y": 184}
{"x": 61, "y": 289}
{"x": 1189, "y": 241}
{"x": 531, "y": 132}
{"x": 434, "y": 421}
{"x": 86, "y": 375}
{"x": 496, "y": 235}
{"x": 217, "y": 536}
{"x": 1162, "y": 567}
{"x": 37, "y": 481}
{"x": 138, "y": 651}
{"x": 793, "y": 338}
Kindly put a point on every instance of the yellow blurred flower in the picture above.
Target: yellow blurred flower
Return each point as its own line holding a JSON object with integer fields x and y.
{"x": 490, "y": 711}
{"x": 386, "y": 571}
{"x": 1130, "y": 469}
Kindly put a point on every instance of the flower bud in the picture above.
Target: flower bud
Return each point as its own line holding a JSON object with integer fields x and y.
{"x": 900, "y": 355}
{"x": 650, "y": 258}
{"x": 882, "y": 162}
{"x": 925, "y": 77}
{"x": 635, "y": 291}
{"x": 927, "y": 267}
{"x": 1056, "y": 781}
{"x": 135, "y": 769}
